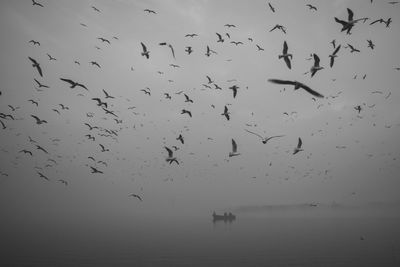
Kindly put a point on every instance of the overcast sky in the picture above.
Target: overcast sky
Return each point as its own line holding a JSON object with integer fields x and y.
{"x": 348, "y": 157}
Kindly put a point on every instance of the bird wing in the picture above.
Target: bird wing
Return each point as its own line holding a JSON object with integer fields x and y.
{"x": 287, "y": 61}
{"x": 277, "y": 81}
{"x": 83, "y": 86}
{"x": 39, "y": 69}
{"x": 36, "y": 118}
{"x": 170, "y": 153}
{"x": 332, "y": 60}
{"x": 144, "y": 47}
{"x": 340, "y": 21}
{"x": 285, "y": 47}
{"x": 336, "y": 50}
{"x": 172, "y": 50}
{"x": 316, "y": 60}
{"x": 254, "y": 133}
{"x": 299, "y": 144}
{"x": 68, "y": 81}
{"x": 351, "y": 14}
{"x": 234, "y": 146}
{"x": 311, "y": 91}
{"x": 33, "y": 61}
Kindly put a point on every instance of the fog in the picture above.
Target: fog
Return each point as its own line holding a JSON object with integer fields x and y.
{"x": 348, "y": 169}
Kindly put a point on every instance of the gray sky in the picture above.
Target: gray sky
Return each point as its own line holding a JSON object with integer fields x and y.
{"x": 206, "y": 179}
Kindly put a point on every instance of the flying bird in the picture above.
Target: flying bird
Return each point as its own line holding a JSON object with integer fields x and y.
{"x": 149, "y": 11}
{"x": 188, "y": 50}
{"x": 145, "y": 52}
{"x": 234, "y": 149}
{"x": 285, "y": 55}
{"x": 184, "y": 111}
{"x": 40, "y": 84}
{"x": 107, "y": 94}
{"x": 264, "y": 140}
{"x": 26, "y": 152}
{"x": 63, "y": 182}
{"x": 94, "y": 63}
{"x": 234, "y": 89}
{"x": 170, "y": 157}
{"x": 73, "y": 84}
{"x": 259, "y": 48}
{"x": 297, "y": 85}
{"x": 34, "y": 42}
{"x": 226, "y": 113}
{"x": 136, "y": 196}
{"x": 180, "y": 138}
{"x": 38, "y": 121}
{"x": 50, "y": 57}
{"x": 220, "y": 39}
{"x": 103, "y": 40}
{"x": 298, "y": 148}
{"x": 271, "y": 7}
{"x": 348, "y": 25}
{"x": 95, "y": 9}
{"x": 94, "y": 170}
{"x": 209, "y": 51}
{"x": 42, "y": 149}
{"x": 371, "y": 44}
{"x": 191, "y": 35}
{"x": 187, "y": 99}
{"x": 34, "y": 3}
{"x": 43, "y": 176}
{"x": 279, "y": 27}
{"x": 311, "y": 7}
{"x": 352, "y": 48}
{"x": 36, "y": 65}
{"x": 334, "y": 55}
{"x": 316, "y": 67}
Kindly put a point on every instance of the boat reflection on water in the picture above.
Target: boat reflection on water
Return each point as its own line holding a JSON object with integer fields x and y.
{"x": 226, "y": 217}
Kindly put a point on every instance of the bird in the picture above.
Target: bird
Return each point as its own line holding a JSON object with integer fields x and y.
{"x": 50, "y": 57}
{"x": 136, "y": 196}
{"x": 42, "y": 149}
{"x": 34, "y": 42}
{"x": 271, "y": 7}
{"x": 187, "y": 99}
{"x": 333, "y": 42}
{"x": 107, "y": 94}
{"x": 36, "y": 65}
{"x": 230, "y": 25}
{"x": 371, "y": 44}
{"x": 280, "y": 27}
{"x": 209, "y": 51}
{"x": 259, "y": 48}
{"x": 352, "y": 48}
{"x": 91, "y": 127}
{"x": 381, "y": 20}
{"x": 94, "y": 63}
{"x": 103, "y": 149}
{"x": 209, "y": 79}
{"x": 285, "y": 55}
{"x": 180, "y": 138}
{"x": 388, "y": 22}
{"x": 26, "y": 152}
{"x": 236, "y": 43}
{"x": 96, "y": 9}
{"x": 174, "y": 65}
{"x": 90, "y": 137}
{"x": 264, "y": 140}
{"x": 171, "y": 47}
{"x": 94, "y": 170}
{"x": 316, "y": 67}
{"x": 226, "y": 113}
{"x": 34, "y": 3}
{"x": 191, "y": 35}
{"x": 297, "y": 85}
{"x": 170, "y": 157}
{"x": 109, "y": 112}
{"x": 167, "y": 96}
{"x": 298, "y": 148}
{"x": 184, "y": 111}
{"x": 333, "y": 55}
{"x": 103, "y": 40}
{"x": 145, "y": 52}
{"x": 3, "y": 125}
{"x": 234, "y": 90}
{"x": 220, "y": 39}
{"x": 311, "y": 7}
{"x": 234, "y": 149}
{"x": 38, "y": 121}
{"x": 73, "y": 84}
{"x": 188, "y": 50}
{"x": 40, "y": 84}
{"x": 358, "y": 108}
{"x": 146, "y": 92}
{"x": 348, "y": 25}
{"x": 149, "y": 11}
{"x": 43, "y": 176}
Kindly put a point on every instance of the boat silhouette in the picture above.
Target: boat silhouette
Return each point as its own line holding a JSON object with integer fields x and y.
{"x": 226, "y": 217}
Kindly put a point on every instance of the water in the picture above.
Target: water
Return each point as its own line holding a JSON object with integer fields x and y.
{"x": 276, "y": 238}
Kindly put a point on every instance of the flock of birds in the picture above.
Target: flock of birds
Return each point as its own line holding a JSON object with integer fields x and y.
{"x": 96, "y": 132}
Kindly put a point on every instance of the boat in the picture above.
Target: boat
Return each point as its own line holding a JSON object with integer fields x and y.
{"x": 226, "y": 217}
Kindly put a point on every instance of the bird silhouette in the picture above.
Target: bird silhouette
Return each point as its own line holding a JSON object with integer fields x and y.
{"x": 34, "y": 3}
{"x": 234, "y": 89}
{"x": 349, "y": 24}
{"x": 352, "y": 48}
{"x": 26, "y": 152}
{"x": 136, "y": 196}
{"x": 34, "y": 42}
{"x": 36, "y": 65}
{"x": 184, "y": 111}
{"x": 316, "y": 67}
{"x": 104, "y": 40}
{"x": 50, "y": 57}
{"x": 220, "y": 39}
{"x": 234, "y": 149}
{"x": 40, "y": 84}
{"x": 107, "y": 94}
{"x": 73, "y": 84}
{"x": 311, "y": 7}
{"x": 296, "y": 85}
{"x": 63, "y": 182}
{"x": 226, "y": 113}
{"x": 271, "y": 7}
{"x": 38, "y": 121}
{"x": 94, "y": 170}
{"x": 145, "y": 52}
{"x": 333, "y": 55}
{"x": 285, "y": 55}
{"x": 171, "y": 47}
{"x": 150, "y": 11}
{"x": 264, "y": 140}
{"x": 170, "y": 157}
{"x": 298, "y": 148}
